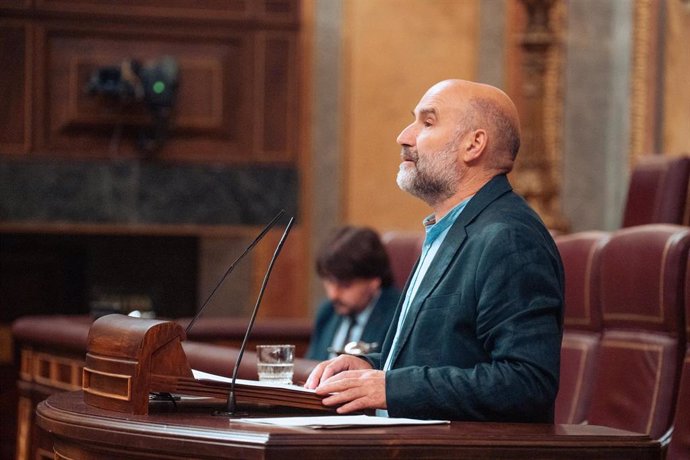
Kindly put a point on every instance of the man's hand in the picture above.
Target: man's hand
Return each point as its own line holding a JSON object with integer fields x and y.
{"x": 326, "y": 369}
{"x": 355, "y": 390}
{"x": 350, "y": 382}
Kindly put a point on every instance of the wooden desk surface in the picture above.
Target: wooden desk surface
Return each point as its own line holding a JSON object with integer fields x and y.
{"x": 190, "y": 431}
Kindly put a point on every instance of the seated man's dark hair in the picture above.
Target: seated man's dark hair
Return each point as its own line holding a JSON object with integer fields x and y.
{"x": 354, "y": 252}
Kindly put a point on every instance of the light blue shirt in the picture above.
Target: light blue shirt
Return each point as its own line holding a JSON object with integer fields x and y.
{"x": 435, "y": 234}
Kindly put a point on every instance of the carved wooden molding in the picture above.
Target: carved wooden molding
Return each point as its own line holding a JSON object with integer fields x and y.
{"x": 644, "y": 97}
{"x": 537, "y": 175}
{"x": 283, "y": 12}
{"x": 52, "y": 370}
{"x": 553, "y": 109}
{"x": 25, "y": 411}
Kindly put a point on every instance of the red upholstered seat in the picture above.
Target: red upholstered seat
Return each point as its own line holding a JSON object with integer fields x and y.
{"x": 404, "y": 248}
{"x": 582, "y": 323}
{"x": 658, "y": 191}
{"x": 641, "y": 290}
{"x": 679, "y": 447}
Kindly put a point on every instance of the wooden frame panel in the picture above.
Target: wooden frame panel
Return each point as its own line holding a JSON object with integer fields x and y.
{"x": 206, "y": 127}
{"x": 15, "y": 86}
{"x": 275, "y": 92}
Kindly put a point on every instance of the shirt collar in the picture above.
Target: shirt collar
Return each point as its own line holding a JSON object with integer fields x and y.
{"x": 434, "y": 228}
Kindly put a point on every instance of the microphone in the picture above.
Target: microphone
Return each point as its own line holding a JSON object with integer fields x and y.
{"x": 232, "y": 266}
{"x": 232, "y": 403}
{"x": 165, "y": 396}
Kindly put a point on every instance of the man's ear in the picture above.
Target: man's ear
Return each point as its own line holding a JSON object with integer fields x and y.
{"x": 475, "y": 144}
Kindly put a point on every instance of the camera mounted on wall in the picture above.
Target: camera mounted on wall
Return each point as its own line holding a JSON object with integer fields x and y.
{"x": 154, "y": 85}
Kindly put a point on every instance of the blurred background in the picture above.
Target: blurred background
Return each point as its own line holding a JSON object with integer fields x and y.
{"x": 143, "y": 144}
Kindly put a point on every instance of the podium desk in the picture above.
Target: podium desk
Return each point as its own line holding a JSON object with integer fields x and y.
{"x": 187, "y": 431}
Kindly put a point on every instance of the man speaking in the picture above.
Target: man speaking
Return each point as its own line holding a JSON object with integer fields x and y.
{"x": 477, "y": 333}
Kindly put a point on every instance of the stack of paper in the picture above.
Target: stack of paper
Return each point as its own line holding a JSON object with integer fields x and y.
{"x": 251, "y": 391}
{"x": 338, "y": 421}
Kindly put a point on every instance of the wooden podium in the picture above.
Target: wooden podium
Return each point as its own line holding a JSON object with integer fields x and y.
{"x": 112, "y": 417}
{"x": 128, "y": 359}
{"x": 189, "y": 431}
{"x": 124, "y": 357}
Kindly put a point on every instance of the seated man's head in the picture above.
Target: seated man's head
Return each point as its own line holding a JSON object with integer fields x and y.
{"x": 353, "y": 265}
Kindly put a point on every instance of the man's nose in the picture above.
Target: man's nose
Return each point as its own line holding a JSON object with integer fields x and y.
{"x": 407, "y": 136}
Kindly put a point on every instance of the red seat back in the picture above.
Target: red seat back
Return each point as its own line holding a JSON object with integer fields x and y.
{"x": 679, "y": 447}
{"x": 658, "y": 190}
{"x": 404, "y": 248}
{"x": 641, "y": 290}
{"x": 582, "y": 323}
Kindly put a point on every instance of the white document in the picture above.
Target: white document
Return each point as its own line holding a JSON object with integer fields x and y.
{"x": 338, "y": 421}
{"x": 201, "y": 375}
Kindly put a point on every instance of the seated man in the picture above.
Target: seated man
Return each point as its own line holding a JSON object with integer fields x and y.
{"x": 356, "y": 274}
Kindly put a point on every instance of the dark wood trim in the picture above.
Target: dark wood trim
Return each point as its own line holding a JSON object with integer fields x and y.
{"x": 251, "y": 13}
{"x": 72, "y": 228}
{"x": 176, "y": 433}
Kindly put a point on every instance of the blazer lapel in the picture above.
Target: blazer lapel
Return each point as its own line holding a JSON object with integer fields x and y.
{"x": 452, "y": 243}
{"x": 433, "y": 276}
{"x": 390, "y": 335}
{"x": 374, "y": 323}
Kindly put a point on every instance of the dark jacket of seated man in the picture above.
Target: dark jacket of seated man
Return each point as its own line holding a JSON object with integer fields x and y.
{"x": 355, "y": 270}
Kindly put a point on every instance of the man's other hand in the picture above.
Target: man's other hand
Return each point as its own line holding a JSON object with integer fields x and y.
{"x": 354, "y": 390}
{"x": 349, "y": 382}
{"x": 326, "y": 369}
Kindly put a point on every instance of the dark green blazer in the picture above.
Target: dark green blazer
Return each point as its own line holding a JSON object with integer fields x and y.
{"x": 328, "y": 321}
{"x": 482, "y": 337}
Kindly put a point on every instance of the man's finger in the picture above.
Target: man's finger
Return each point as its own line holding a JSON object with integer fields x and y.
{"x": 344, "y": 396}
{"x": 338, "y": 382}
{"x": 353, "y": 406}
{"x": 333, "y": 368}
{"x": 354, "y": 399}
{"x": 315, "y": 376}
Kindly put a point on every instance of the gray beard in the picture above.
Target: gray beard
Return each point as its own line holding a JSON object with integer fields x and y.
{"x": 432, "y": 181}
{"x": 431, "y": 190}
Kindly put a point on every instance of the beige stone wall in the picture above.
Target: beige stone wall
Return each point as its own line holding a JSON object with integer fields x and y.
{"x": 393, "y": 51}
{"x": 676, "y": 135}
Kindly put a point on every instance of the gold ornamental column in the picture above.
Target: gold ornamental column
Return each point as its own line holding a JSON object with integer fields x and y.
{"x": 536, "y": 173}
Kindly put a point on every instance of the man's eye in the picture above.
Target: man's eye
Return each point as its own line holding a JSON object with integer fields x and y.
{"x": 427, "y": 124}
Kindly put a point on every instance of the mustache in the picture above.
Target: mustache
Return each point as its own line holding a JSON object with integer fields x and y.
{"x": 409, "y": 154}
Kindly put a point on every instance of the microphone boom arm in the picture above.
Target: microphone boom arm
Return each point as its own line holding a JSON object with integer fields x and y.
{"x": 232, "y": 267}
{"x": 232, "y": 403}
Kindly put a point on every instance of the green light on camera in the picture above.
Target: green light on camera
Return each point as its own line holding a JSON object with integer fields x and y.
{"x": 158, "y": 87}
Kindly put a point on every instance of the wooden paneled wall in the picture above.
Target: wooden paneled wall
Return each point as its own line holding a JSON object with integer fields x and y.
{"x": 238, "y": 102}
{"x": 237, "y": 97}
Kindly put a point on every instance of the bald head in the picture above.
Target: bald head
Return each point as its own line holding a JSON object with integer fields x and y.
{"x": 484, "y": 107}
{"x": 463, "y": 134}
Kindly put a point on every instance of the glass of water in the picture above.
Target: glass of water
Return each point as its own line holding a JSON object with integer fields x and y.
{"x": 275, "y": 363}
